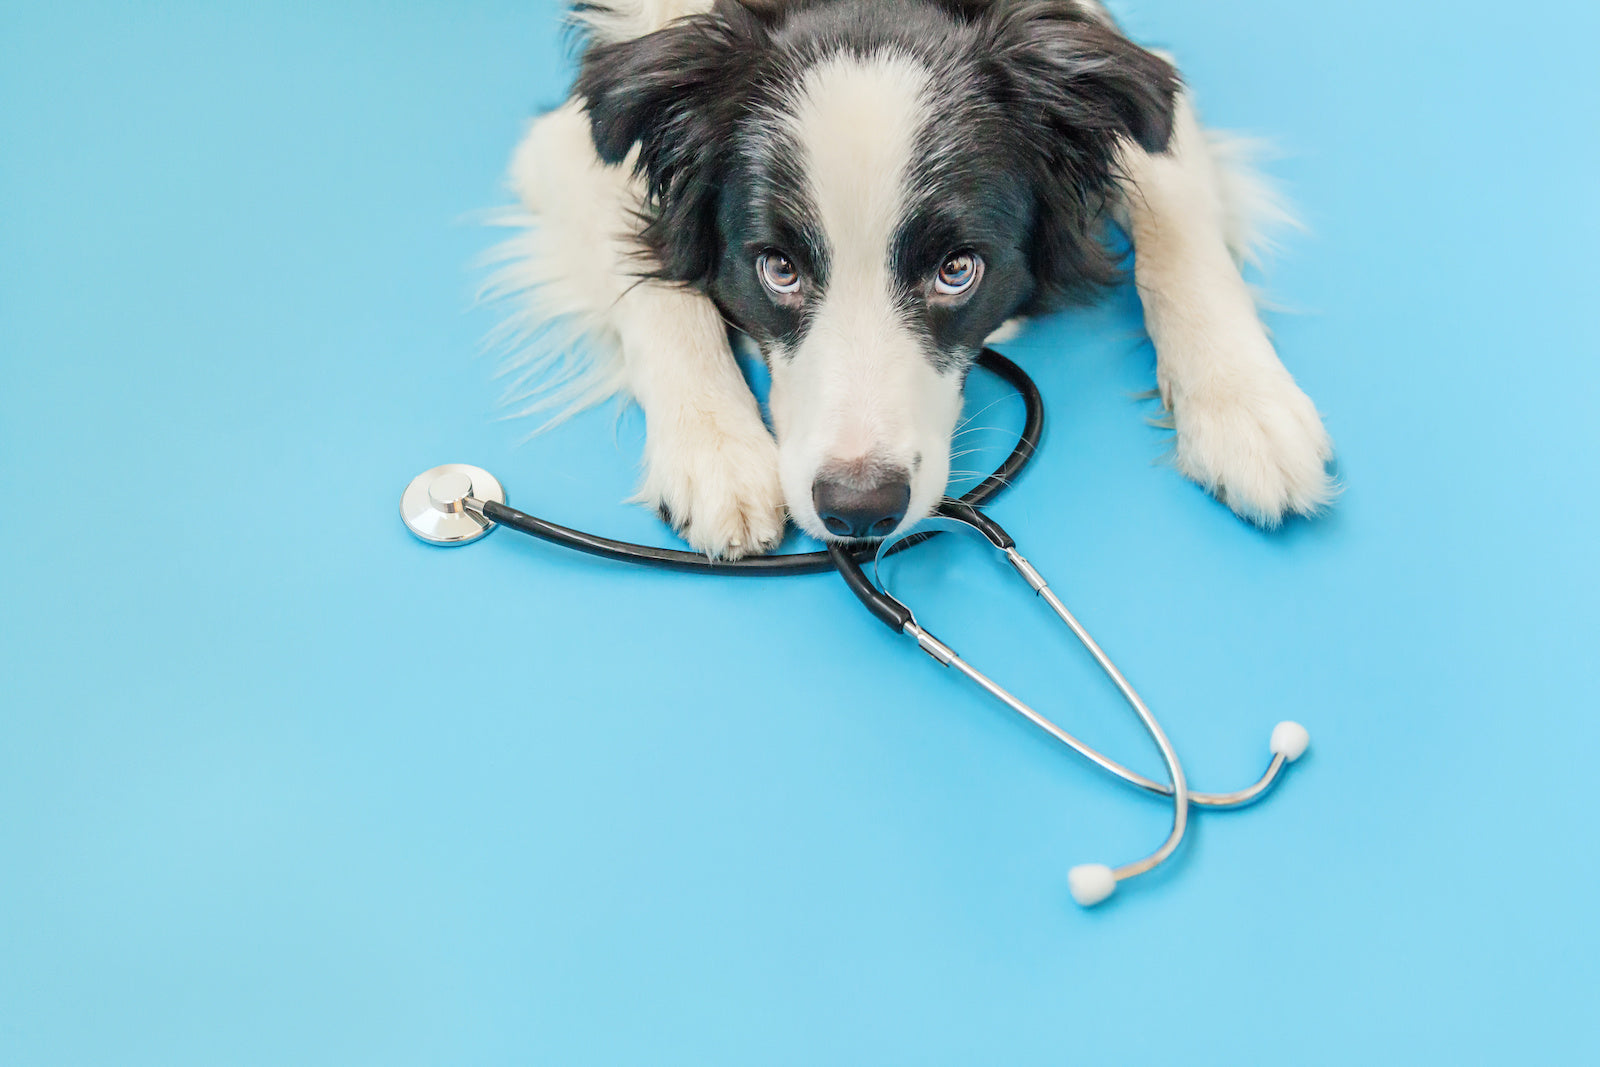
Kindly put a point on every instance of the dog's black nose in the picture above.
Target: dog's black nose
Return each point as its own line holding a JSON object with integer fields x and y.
{"x": 871, "y": 505}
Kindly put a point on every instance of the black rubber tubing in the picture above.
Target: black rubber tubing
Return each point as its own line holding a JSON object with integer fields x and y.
{"x": 845, "y": 558}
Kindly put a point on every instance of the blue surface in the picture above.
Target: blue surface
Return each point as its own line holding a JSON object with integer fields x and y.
{"x": 251, "y": 811}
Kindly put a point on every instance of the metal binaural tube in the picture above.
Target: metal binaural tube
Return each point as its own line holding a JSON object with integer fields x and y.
{"x": 1221, "y": 801}
{"x": 1092, "y": 883}
{"x": 948, "y": 657}
{"x": 1180, "y": 785}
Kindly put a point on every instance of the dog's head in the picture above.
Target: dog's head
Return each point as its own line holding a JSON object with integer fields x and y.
{"x": 869, "y": 188}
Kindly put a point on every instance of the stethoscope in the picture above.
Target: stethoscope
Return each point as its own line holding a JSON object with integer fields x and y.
{"x": 456, "y": 504}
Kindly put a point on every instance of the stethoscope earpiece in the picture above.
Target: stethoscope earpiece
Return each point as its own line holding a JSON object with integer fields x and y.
{"x": 1091, "y": 883}
{"x": 1289, "y": 740}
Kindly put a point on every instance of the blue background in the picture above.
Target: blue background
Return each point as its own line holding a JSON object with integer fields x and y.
{"x": 279, "y": 784}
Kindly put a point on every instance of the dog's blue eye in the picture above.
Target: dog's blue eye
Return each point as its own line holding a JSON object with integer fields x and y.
{"x": 959, "y": 273}
{"x": 778, "y": 273}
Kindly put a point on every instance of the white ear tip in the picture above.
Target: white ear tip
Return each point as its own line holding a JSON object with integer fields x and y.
{"x": 1289, "y": 740}
{"x": 1091, "y": 883}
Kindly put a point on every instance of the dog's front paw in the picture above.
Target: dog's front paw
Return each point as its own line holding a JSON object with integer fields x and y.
{"x": 1257, "y": 443}
{"x": 716, "y": 481}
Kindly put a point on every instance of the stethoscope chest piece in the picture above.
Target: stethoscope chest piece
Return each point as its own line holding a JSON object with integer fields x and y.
{"x": 434, "y": 505}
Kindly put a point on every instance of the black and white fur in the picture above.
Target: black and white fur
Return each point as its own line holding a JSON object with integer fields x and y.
{"x": 865, "y": 143}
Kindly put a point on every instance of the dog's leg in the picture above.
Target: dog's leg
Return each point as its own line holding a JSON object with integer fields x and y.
{"x": 710, "y": 465}
{"x": 1245, "y": 431}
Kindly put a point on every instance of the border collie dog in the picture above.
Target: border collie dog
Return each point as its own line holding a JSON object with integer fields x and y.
{"x": 869, "y": 189}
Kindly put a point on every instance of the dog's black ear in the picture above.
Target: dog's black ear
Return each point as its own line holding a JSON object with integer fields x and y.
{"x": 677, "y": 94}
{"x": 1075, "y": 88}
{"x": 1079, "y": 78}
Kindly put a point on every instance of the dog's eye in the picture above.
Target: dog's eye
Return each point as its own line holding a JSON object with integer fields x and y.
{"x": 778, "y": 273}
{"x": 960, "y": 272}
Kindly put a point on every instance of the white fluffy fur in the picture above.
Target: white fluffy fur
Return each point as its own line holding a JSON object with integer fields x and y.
{"x": 563, "y": 271}
{"x": 1253, "y": 209}
{"x": 585, "y": 329}
{"x": 623, "y": 20}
